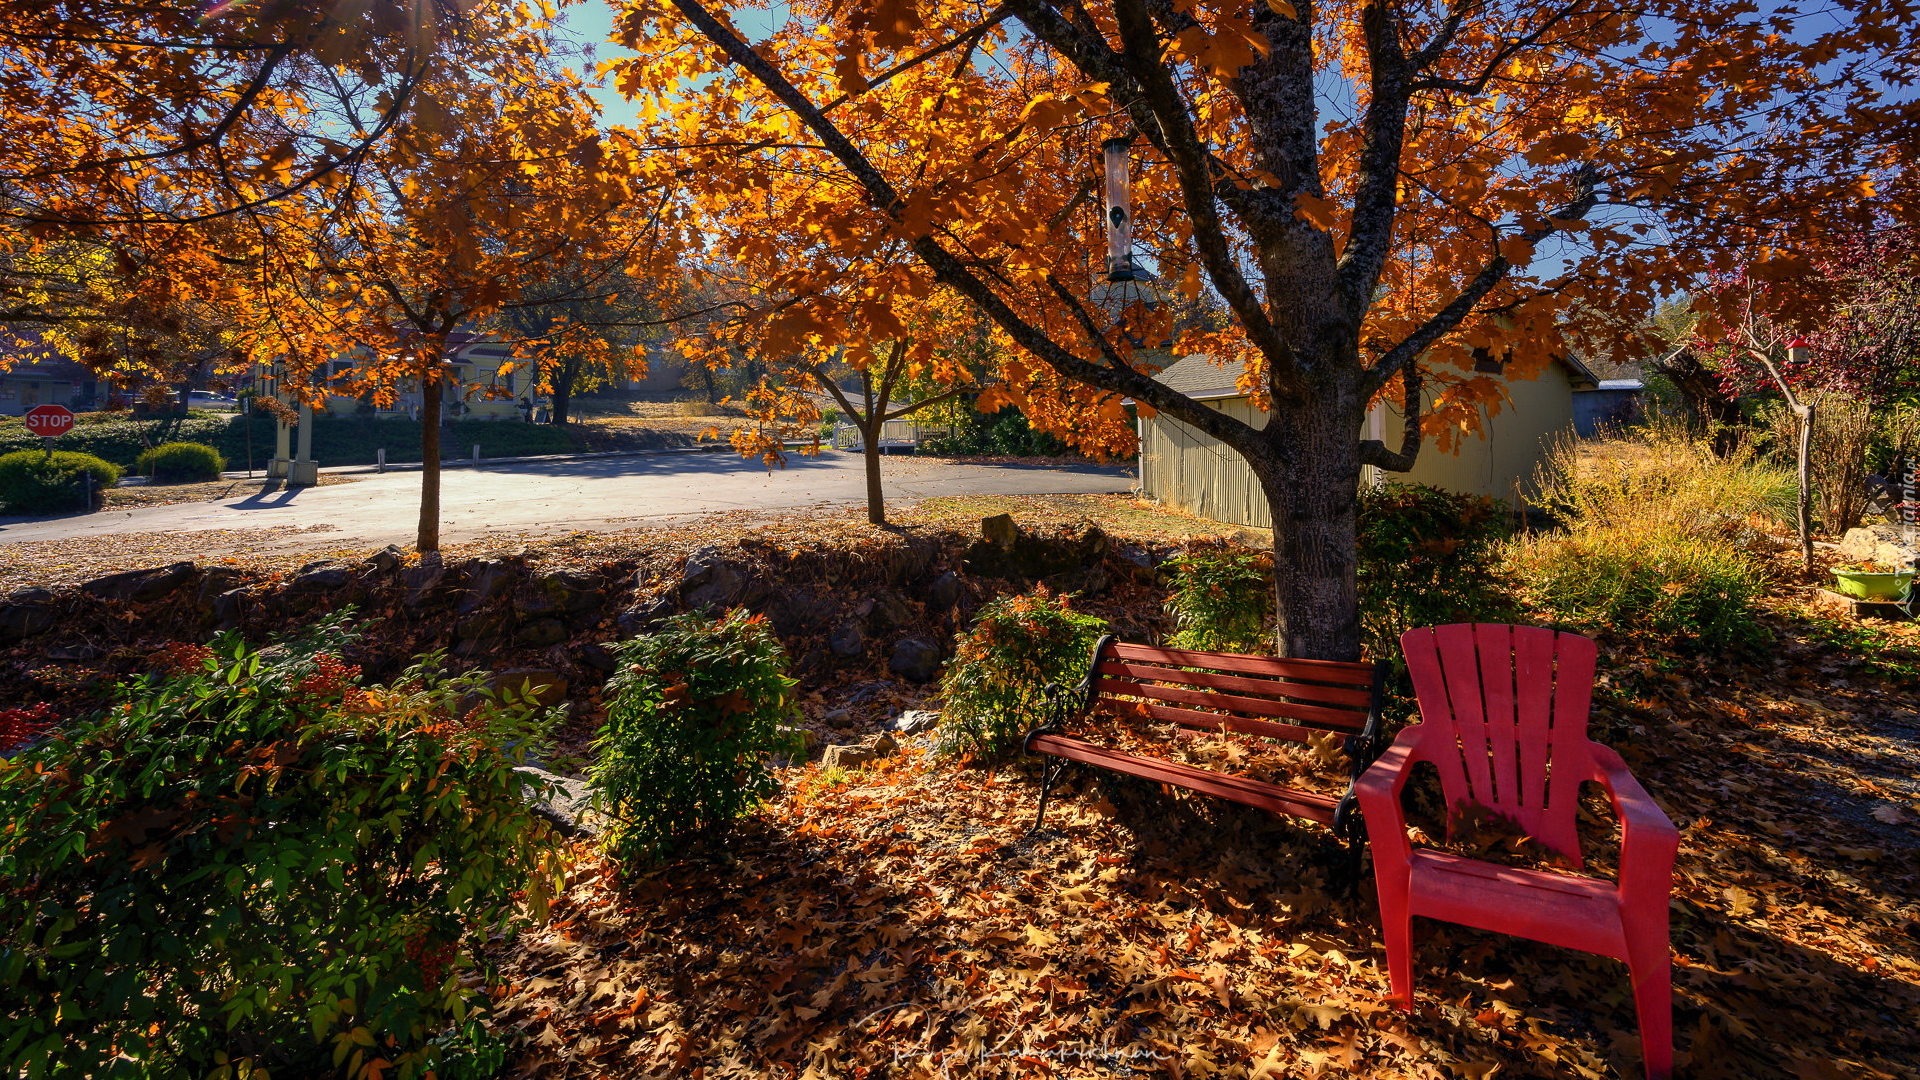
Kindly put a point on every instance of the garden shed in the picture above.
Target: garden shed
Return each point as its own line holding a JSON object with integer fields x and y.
{"x": 1191, "y": 471}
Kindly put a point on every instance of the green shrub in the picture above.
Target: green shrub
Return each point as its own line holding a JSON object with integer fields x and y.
{"x": 1427, "y": 557}
{"x": 1221, "y": 597}
{"x": 1006, "y": 432}
{"x": 35, "y": 482}
{"x": 992, "y": 688}
{"x": 182, "y": 462}
{"x": 694, "y": 714}
{"x": 1664, "y": 585}
{"x": 251, "y": 863}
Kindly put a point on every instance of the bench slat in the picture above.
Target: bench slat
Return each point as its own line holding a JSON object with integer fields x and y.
{"x": 1333, "y": 671}
{"x": 1260, "y": 708}
{"x": 1256, "y": 793}
{"x": 1361, "y": 700}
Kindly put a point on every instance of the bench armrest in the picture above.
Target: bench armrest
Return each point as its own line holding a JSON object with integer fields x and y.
{"x": 1379, "y": 792}
{"x": 1648, "y": 840}
{"x": 1060, "y": 704}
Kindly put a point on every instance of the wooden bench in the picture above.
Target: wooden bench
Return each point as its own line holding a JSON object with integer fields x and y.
{"x": 1293, "y": 700}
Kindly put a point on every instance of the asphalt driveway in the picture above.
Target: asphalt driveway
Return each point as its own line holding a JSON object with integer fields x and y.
{"x": 589, "y": 494}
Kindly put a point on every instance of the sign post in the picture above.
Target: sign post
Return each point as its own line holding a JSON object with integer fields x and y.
{"x": 49, "y": 422}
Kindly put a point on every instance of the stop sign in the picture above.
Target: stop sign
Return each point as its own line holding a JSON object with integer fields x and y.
{"x": 48, "y": 421}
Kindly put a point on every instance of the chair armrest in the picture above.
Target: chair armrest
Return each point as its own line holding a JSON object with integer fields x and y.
{"x": 1648, "y": 840}
{"x": 1379, "y": 791}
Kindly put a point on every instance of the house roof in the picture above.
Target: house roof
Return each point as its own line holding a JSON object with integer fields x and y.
{"x": 1202, "y": 379}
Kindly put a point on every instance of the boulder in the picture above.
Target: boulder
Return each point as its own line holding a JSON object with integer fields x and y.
{"x": 1087, "y": 580}
{"x": 847, "y": 640}
{"x": 1030, "y": 555}
{"x": 230, "y": 608}
{"x": 483, "y": 626}
{"x": 647, "y": 615}
{"x": 1876, "y": 543}
{"x": 561, "y": 593}
{"x": 916, "y": 659}
{"x": 711, "y": 581}
{"x": 594, "y": 657}
{"x": 541, "y": 633}
{"x": 141, "y": 585}
{"x": 75, "y": 652}
{"x": 854, "y": 755}
{"x": 215, "y": 581}
{"x": 386, "y": 560}
{"x": 836, "y": 718}
{"x": 915, "y": 721}
{"x": 320, "y": 578}
{"x": 886, "y": 611}
{"x": 481, "y": 646}
{"x": 31, "y": 594}
{"x": 1000, "y": 530}
{"x": 800, "y": 611}
{"x": 487, "y": 580}
{"x": 21, "y": 621}
{"x": 548, "y": 687}
{"x": 564, "y": 802}
{"x": 945, "y": 591}
{"x": 423, "y": 581}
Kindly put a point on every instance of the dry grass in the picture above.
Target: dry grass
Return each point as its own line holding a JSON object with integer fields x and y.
{"x": 1659, "y": 480}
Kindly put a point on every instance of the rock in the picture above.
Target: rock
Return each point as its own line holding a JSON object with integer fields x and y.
{"x": 481, "y": 646}
{"x": 1876, "y": 543}
{"x": 915, "y": 721}
{"x": 915, "y": 658}
{"x": 1138, "y": 561}
{"x": 1000, "y": 531}
{"x": 805, "y": 739}
{"x": 487, "y": 580}
{"x": 320, "y": 577}
{"x": 595, "y": 657}
{"x": 217, "y": 580}
{"x": 836, "y": 718}
{"x": 846, "y": 757}
{"x": 385, "y": 560}
{"x": 541, "y": 633}
{"x": 424, "y": 580}
{"x": 647, "y": 615}
{"x": 848, "y": 640}
{"x": 945, "y": 591}
{"x": 483, "y": 626}
{"x": 1030, "y": 555}
{"x": 711, "y": 581}
{"x": 140, "y": 585}
{"x": 561, "y": 593}
{"x": 32, "y": 594}
{"x": 21, "y": 621}
{"x": 800, "y": 611}
{"x": 230, "y": 608}
{"x": 547, "y": 686}
{"x": 565, "y": 802}
{"x": 887, "y": 611}
{"x": 882, "y": 745}
{"x": 1088, "y": 581}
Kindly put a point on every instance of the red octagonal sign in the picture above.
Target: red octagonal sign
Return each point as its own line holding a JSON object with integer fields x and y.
{"x": 48, "y": 421}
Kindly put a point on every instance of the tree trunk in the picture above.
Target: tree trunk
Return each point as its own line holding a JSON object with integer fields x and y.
{"x": 563, "y": 390}
{"x": 430, "y": 393}
{"x": 876, "y": 502}
{"x": 1310, "y": 473}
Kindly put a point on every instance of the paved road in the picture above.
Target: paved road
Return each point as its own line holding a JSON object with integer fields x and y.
{"x": 597, "y": 494}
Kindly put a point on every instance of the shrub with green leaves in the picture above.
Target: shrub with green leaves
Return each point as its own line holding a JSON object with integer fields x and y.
{"x": 1671, "y": 586}
{"x": 250, "y": 862}
{"x": 992, "y": 688}
{"x": 182, "y": 462}
{"x": 35, "y": 482}
{"x": 695, "y": 713}
{"x": 1428, "y": 557}
{"x": 1221, "y": 598}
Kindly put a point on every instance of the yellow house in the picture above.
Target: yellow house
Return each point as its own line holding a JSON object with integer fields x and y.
{"x": 475, "y": 387}
{"x": 1191, "y": 471}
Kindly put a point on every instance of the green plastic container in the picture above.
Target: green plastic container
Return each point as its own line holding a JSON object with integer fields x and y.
{"x": 1873, "y": 586}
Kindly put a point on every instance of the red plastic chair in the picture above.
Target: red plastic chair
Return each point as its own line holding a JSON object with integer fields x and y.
{"x": 1503, "y": 713}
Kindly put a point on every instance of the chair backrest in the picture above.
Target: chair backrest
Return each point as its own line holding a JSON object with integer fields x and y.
{"x": 1257, "y": 695}
{"x": 1515, "y": 699}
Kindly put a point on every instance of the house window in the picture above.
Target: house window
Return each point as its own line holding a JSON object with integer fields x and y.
{"x": 1485, "y": 361}
{"x": 30, "y": 395}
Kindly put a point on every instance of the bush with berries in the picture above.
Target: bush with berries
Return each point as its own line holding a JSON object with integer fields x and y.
{"x": 23, "y": 725}
{"x": 252, "y": 862}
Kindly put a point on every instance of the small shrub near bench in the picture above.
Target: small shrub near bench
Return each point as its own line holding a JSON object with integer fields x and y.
{"x": 992, "y": 687}
{"x": 252, "y": 863}
{"x": 182, "y": 463}
{"x": 35, "y": 482}
{"x": 695, "y": 713}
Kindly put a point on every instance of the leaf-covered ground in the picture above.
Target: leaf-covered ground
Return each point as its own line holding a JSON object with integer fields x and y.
{"x": 904, "y": 923}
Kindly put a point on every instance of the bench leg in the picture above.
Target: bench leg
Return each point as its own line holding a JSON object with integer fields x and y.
{"x": 1049, "y": 776}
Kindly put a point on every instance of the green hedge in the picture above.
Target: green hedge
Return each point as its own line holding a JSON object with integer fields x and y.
{"x": 337, "y": 440}
{"x": 181, "y": 462}
{"x": 35, "y": 482}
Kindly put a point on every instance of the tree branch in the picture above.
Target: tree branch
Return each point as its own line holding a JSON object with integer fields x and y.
{"x": 1374, "y": 452}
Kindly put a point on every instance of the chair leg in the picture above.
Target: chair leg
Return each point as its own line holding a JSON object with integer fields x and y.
{"x": 1049, "y": 776}
{"x": 1652, "y": 970}
{"x": 1396, "y": 928}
